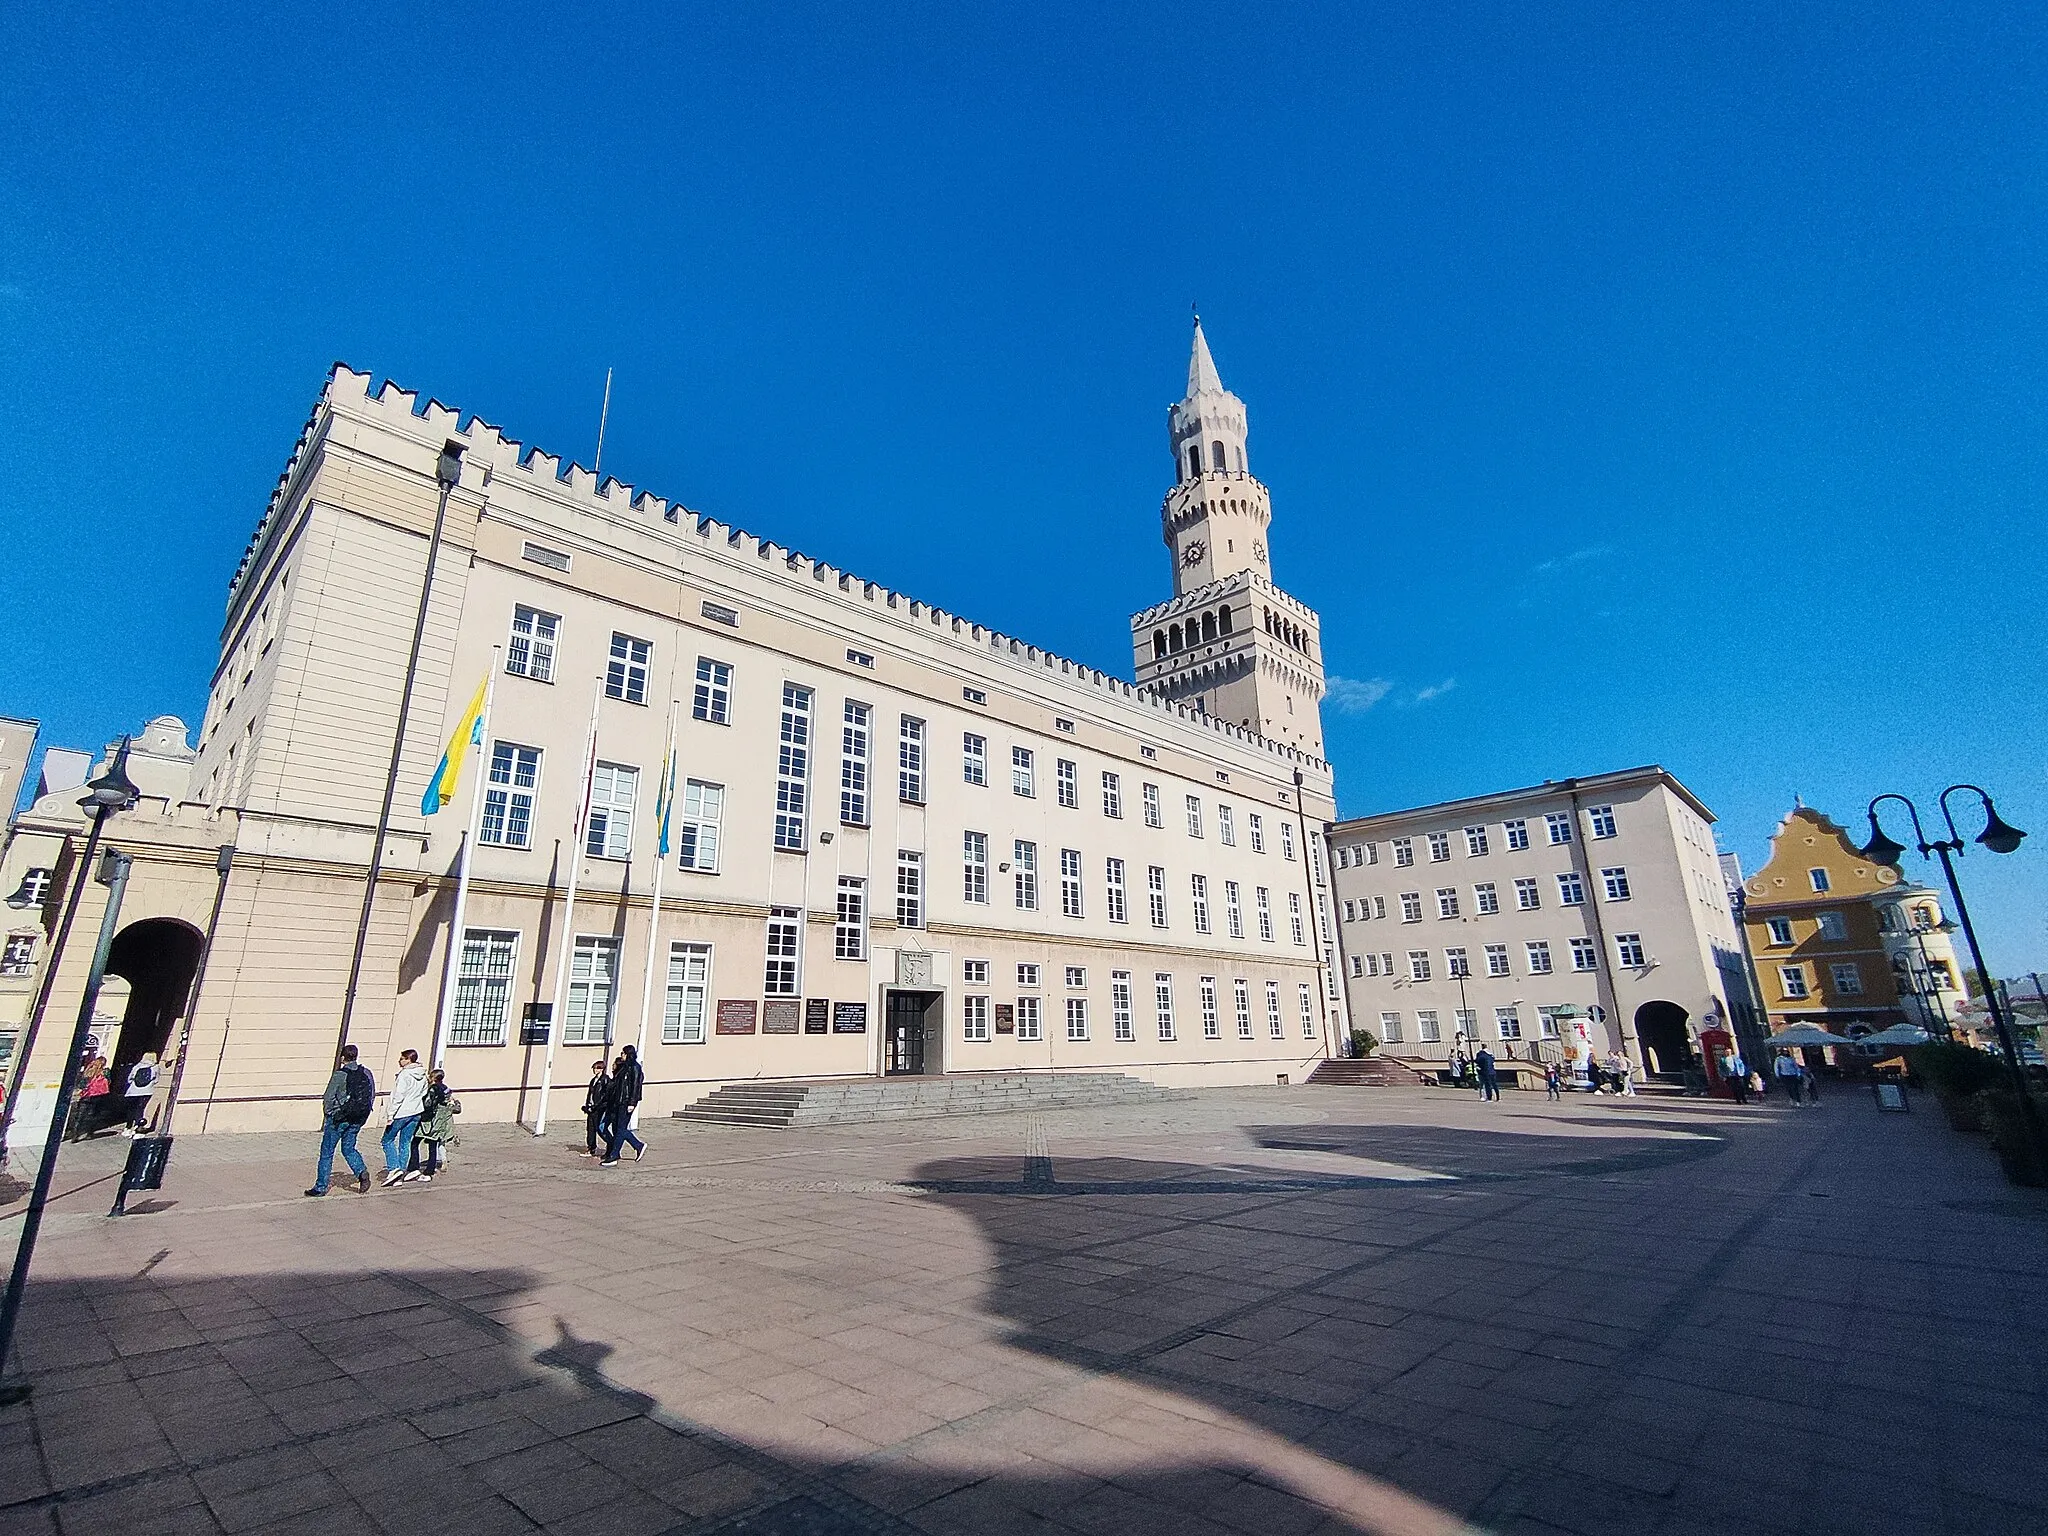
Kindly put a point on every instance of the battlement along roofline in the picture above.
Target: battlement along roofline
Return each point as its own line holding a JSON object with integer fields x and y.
{"x": 347, "y": 388}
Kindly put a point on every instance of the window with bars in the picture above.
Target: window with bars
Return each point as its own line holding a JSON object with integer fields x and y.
{"x": 1070, "y": 882}
{"x": 1113, "y": 879}
{"x": 1212, "y": 1028}
{"x": 974, "y": 852}
{"x": 1028, "y": 1027}
{"x": 609, "y": 832}
{"x": 909, "y": 888}
{"x": 702, "y": 806}
{"x": 1120, "y": 1022}
{"x": 625, "y": 673}
{"x": 1149, "y": 793}
{"x": 593, "y": 981}
{"x": 1023, "y": 773}
{"x": 974, "y": 1017}
{"x": 1241, "y": 1006}
{"x": 483, "y": 988}
{"x": 1155, "y": 893}
{"x": 785, "y": 943}
{"x": 712, "y": 700}
{"x": 1112, "y": 796}
{"x": 1233, "y": 909}
{"x": 973, "y": 758}
{"x": 850, "y": 925}
{"x": 793, "y": 767}
{"x": 1256, "y": 826}
{"x": 688, "y": 1004}
{"x": 1024, "y": 862}
{"x": 530, "y": 650}
{"x": 1162, "y": 1003}
{"x": 853, "y": 765}
{"x": 508, "y": 796}
{"x": 1067, "y": 779}
{"x": 1077, "y": 1018}
{"x": 1199, "y": 887}
{"x": 910, "y": 760}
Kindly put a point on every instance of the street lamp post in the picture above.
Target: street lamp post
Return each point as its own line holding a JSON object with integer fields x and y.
{"x": 1999, "y": 838}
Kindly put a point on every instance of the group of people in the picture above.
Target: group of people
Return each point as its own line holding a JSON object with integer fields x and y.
{"x": 419, "y": 1122}
{"x": 1799, "y": 1081}
{"x": 1481, "y": 1070}
{"x": 95, "y": 1105}
{"x": 609, "y": 1105}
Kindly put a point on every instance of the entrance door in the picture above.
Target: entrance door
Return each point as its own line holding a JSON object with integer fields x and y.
{"x": 903, "y": 1037}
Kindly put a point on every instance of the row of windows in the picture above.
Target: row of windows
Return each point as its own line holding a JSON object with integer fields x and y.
{"x": 1027, "y": 1019}
{"x": 1024, "y": 870}
{"x": 1557, "y": 831}
{"x": 1571, "y": 892}
{"x": 482, "y": 1008}
{"x": 1536, "y": 955}
{"x": 1507, "y": 1024}
{"x": 1847, "y": 976}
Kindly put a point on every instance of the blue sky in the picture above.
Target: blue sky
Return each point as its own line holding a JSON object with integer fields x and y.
{"x": 1634, "y": 383}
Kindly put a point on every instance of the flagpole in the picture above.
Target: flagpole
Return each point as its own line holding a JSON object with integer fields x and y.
{"x": 560, "y": 1020}
{"x": 664, "y": 808}
{"x": 480, "y": 748}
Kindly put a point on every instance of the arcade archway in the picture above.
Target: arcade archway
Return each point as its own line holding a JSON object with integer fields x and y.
{"x": 1666, "y": 1042}
{"x": 158, "y": 958}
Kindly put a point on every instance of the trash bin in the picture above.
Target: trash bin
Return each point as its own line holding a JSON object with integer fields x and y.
{"x": 148, "y": 1156}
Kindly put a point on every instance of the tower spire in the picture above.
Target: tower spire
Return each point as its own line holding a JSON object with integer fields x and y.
{"x": 1202, "y": 373}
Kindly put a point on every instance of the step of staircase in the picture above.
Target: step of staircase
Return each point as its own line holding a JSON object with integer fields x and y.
{"x": 782, "y": 1103}
{"x": 1365, "y": 1072}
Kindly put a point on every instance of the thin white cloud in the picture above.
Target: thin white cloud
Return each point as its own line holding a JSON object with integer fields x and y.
{"x": 1576, "y": 557}
{"x": 1435, "y": 690}
{"x": 1354, "y": 696}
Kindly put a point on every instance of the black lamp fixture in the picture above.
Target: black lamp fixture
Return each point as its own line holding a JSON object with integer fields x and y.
{"x": 448, "y": 471}
{"x": 113, "y": 790}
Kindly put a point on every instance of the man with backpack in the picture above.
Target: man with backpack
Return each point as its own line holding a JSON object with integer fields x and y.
{"x": 629, "y": 1081}
{"x": 345, "y": 1109}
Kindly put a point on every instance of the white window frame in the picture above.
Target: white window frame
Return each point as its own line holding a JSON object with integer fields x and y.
{"x": 1404, "y": 852}
{"x": 1198, "y": 888}
{"x": 1241, "y": 1006}
{"x": 1308, "y": 1012}
{"x": 1287, "y": 841}
{"x": 1429, "y": 1029}
{"x": 1571, "y": 889}
{"x": 1226, "y": 825}
{"x": 856, "y": 731}
{"x": 593, "y": 985}
{"x": 1113, "y": 886}
{"x": 1390, "y": 1026}
{"x": 1536, "y": 954}
{"x": 783, "y": 953}
{"x": 1122, "y": 1026}
{"x": 482, "y": 1010}
{"x": 1780, "y": 930}
{"x": 711, "y": 701}
{"x": 1070, "y": 882}
{"x": 909, "y": 888}
{"x": 1628, "y": 949}
{"x": 1528, "y": 895}
{"x": 1446, "y": 902}
{"x": 626, "y": 668}
{"x": 1497, "y": 960}
{"x": 1557, "y": 827}
{"x": 512, "y": 784}
{"x": 1212, "y": 1021}
{"x": 608, "y": 831}
{"x": 1507, "y": 1022}
{"x": 1162, "y": 1003}
{"x": 1066, "y": 777}
{"x": 1792, "y": 980}
{"x": 1023, "y": 773}
{"x": 910, "y": 739}
{"x": 1418, "y": 965}
{"x": 1155, "y": 893}
{"x": 1256, "y": 825}
{"x": 1439, "y": 847}
{"x": 1516, "y": 834}
{"x": 1276, "y": 1026}
{"x": 1030, "y": 1021}
{"x": 974, "y": 1018}
{"x": 1112, "y": 796}
{"x": 1294, "y": 917}
{"x": 1077, "y": 1019}
{"x": 1585, "y": 955}
{"x": 1155, "y": 815}
{"x": 703, "y": 807}
{"x": 1614, "y": 880}
{"x": 686, "y": 1006}
{"x": 793, "y": 768}
{"x": 530, "y": 648}
{"x": 973, "y": 758}
{"x": 1233, "y": 909}
{"x": 974, "y": 868}
{"x": 1262, "y": 909}
{"x": 1601, "y": 819}
{"x": 1475, "y": 842}
{"x": 1024, "y": 869}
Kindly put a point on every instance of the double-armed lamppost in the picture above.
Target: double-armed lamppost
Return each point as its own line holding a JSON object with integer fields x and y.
{"x": 1997, "y": 836}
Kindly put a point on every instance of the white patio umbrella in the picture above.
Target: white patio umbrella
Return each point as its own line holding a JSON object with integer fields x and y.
{"x": 1898, "y": 1034}
{"x": 1807, "y": 1034}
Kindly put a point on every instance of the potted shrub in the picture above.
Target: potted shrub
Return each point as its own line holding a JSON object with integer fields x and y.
{"x": 2021, "y": 1152}
{"x": 1363, "y": 1043}
{"x": 1957, "y": 1074}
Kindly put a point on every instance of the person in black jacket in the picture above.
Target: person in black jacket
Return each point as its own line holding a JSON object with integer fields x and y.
{"x": 597, "y": 1100}
{"x": 344, "y": 1108}
{"x": 628, "y": 1082}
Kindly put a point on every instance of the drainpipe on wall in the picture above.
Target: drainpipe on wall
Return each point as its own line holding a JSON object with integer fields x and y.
{"x": 1313, "y": 917}
{"x": 1630, "y": 1045}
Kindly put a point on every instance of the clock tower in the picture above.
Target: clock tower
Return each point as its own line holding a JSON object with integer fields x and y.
{"x": 1230, "y": 643}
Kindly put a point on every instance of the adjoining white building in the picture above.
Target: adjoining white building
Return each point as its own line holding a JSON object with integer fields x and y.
{"x": 900, "y": 841}
{"x": 1538, "y": 922}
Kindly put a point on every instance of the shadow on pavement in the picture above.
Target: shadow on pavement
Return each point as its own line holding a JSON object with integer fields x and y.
{"x": 1482, "y": 1154}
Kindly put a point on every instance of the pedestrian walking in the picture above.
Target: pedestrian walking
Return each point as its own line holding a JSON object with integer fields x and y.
{"x": 1810, "y": 1081}
{"x": 345, "y": 1110}
{"x": 87, "y": 1100}
{"x": 597, "y": 1100}
{"x": 436, "y": 1129}
{"x": 1621, "y": 1072}
{"x": 402, "y": 1118}
{"x": 1735, "y": 1071}
{"x": 141, "y": 1083}
{"x": 1788, "y": 1070}
{"x": 1489, "y": 1076}
{"x": 628, "y": 1083}
{"x": 1757, "y": 1084}
{"x": 1553, "y": 1081}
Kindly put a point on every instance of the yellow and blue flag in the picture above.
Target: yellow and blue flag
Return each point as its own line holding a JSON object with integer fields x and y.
{"x": 665, "y": 799}
{"x": 469, "y": 732}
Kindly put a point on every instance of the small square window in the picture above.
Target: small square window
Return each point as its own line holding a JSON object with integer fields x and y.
{"x": 1077, "y": 975}
{"x": 974, "y": 973}
{"x": 1027, "y": 975}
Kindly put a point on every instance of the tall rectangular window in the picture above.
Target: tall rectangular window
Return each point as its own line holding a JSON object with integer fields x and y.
{"x": 975, "y": 868}
{"x": 1120, "y": 1023}
{"x": 974, "y": 758}
{"x": 1194, "y": 816}
{"x": 1077, "y": 1018}
{"x": 1447, "y": 901}
{"x": 1601, "y": 818}
{"x": 1439, "y": 847}
{"x": 1022, "y": 780}
{"x": 1287, "y": 840}
{"x": 702, "y": 806}
{"x": 974, "y": 1017}
{"x": 793, "y": 767}
{"x": 1155, "y": 894}
{"x": 530, "y": 652}
{"x": 1024, "y": 860}
{"x": 1616, "y": 881}
{"x": 850, "y": 925}
{"x": 1262, "y": 905}
{"x": 785, "y": 938}
{"x": 1199, "y": 886}
{"x": 1411, "y": 906}
{"x": 1308, "y": 1012}
{"x": 593, "y": 978}
{"x": 1275, "y": 1025}
{"x": 508, "y": 796}
{"x": 1294, "y": 918}
{"x": 1162, "y": 1003}
{"x": 1527, "y": 898}
{"x": 1067, "y": 780}
{"x": 625, "y": 673}
{"x": 1496, "y": 960}
{"x": 1113, "y": 878}
{"x": 609, "y": 832}
{"x": 1241, "y": 1004}
{"x": 1517, "y": 834}
{"x": 1028, "y": 1027}
{"x": 712, "y": 700}
{"x": 1571, "y": 890}
{"x": 1585, "y": 956}
{"x": 1212, "y": 1028}
{"x": 1256, "y": 825}
{"x": 1070, "y": 882}
{"x": 1150, "y": 795}
{"x": 1485, "y": 899}
{"x": 1418, "y": 965}
{"x": 689, "y": 991}
{"x": 483, "y": 988}
{"x": 1628, "y": 948}
{"x": 1427, "y": 1029}
{"x": 910, "y": 760}
{"x": 853, "y": 765}
{"x": 1793, "y": 979}
{"x": 1559, "y": 828}
{"x": 1233, "y": 909}
{"x": 1112, "y": 796}
{"x": 1539, "y": 956}
{"x": 909, "y": 888}
{"x": 1475, "y": 842}
{"x": 1508, "y": 1022}
{"x": 1404, "y": 852}
{"x": 1226, "y": 826}
{"x": 1390, "y": 1027}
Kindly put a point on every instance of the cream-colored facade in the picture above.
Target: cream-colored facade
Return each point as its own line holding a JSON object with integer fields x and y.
{"x": 1474, "y": 921}
{"x": 902, "y": 841}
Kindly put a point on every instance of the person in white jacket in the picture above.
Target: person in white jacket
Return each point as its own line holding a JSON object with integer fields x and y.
{"x": 408, "y": 1098}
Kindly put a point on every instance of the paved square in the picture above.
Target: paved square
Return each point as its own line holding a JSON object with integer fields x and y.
{"x": 1270, "y": 1312}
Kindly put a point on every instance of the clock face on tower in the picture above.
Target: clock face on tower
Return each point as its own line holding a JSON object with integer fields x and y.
{"x": 1192, "y": 555}
{"x": 1258, "y": 549}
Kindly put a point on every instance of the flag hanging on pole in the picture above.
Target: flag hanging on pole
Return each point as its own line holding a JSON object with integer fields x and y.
{"x": 665, "y": 799}
{"x": 468, "y": 732}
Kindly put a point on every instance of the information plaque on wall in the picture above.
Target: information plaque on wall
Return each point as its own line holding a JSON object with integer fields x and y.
{"x": 817, "y": 1016}
{"x": 782, "y": 1016}
{"x": 736, "y": 1015}
{"x": 849, "y": 1018}
{"x": 1006, "y": 1018}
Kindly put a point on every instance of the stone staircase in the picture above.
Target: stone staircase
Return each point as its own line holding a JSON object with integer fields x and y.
{"x": 780, "y": 1103}
{"x": 1365, "y": 1072}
